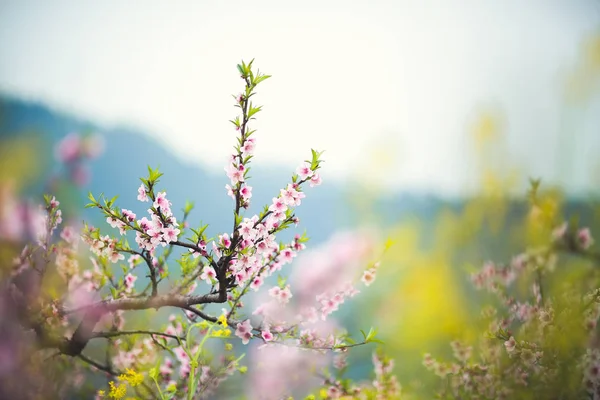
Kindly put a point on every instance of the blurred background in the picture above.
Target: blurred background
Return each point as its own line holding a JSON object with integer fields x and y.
{"x": 433, "y": 118}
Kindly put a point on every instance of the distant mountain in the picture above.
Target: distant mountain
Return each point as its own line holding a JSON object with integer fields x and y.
{"x": 128, "y": 153}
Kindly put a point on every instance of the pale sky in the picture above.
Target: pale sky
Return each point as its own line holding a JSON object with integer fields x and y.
{"x": 409, "y": 76}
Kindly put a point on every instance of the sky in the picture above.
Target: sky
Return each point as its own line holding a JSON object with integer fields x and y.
{"x": 389, "y": 89}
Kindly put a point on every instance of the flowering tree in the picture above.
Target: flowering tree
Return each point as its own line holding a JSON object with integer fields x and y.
{"x": 542, "y": 337}
{"x": 64, "y": 309}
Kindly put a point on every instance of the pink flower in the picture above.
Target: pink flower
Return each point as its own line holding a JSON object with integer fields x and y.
{"x": 315, "y": 180}
{"x": 230, "y": 191}
{"x": 113, "y": 221}
{"x": 304, "y": 171}
{"x": 368, "y": 277}
{"x": 291, "y": 196}
{"x": 170, "y": 234}
{"x": 267, "y": 335}
{"x": 130, "y": 215}
{"x": 142, "y": 195}
{"x": 584, "y": 237}
{"x": 286, "y": 256}
{"x": 235, "y": 174}
{"x": 130, "y": 282}
{"x": 278, "y": 205}
{"x": 248, "y": 148}
{"x": 285, "y": 295}
{"x": 559, "y": 232}
{"x": 68, "y": 235}
{"x": 334, "y": 392}
{"x": 256, "y": 283}
{"x": 224, "y": 240}
{"x": 208, "y": 274}
{"x": 69, "y": 149}
{"x": 246, "y": 192}
{"x": 115, "y": 257}
{"x": 510, "y": 345}
{"x": 247, "y": 230}
{"x": 162, "y": 202}
{"x": 132, "y": 261}
{"x": 244, "y": 331}
{"x": 144, "y": 224}
{"x": 274, "y": 292}
{"x": 54, "y": 203}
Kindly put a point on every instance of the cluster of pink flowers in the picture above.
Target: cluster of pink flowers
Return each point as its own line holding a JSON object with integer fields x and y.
{"x": 525, "y": 352}
{"x": 292, "y": 316}
{"x": 583, "y": 236}
{"x": 104, "y": 246}
{"x": 161, "y": 229}
{"x": 74, "y": 149}
{"x": 493, "y": 277}
{"x": 19, "y": 219}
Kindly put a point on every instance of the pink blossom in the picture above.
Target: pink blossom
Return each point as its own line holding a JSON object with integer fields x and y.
{"x": 246, "y": 192}
{"x": 132, "y": 261}
{"x": 510, "y": 345}
{"x": 559, "y": 232}
{"x": 244, "y": 331}
{"x": 256, "y": 283}
{"x": 291, "y": 196}
{"x": 162, "y": 202}
{"x": 235, "y": 174}
{"x": 248, "y": 148}
{"x": 285, "y": 295}
{"x": 368, "y": 277}
{"x": 274, "y": 292}
{"x": 584, "y": 237}
{"x": 315, "y": 180}
{"x": 130, "y": 282}
{"x": 286, "y": 256}
{"x": 224, "y": 240}
{"x": 144, "y": 224}
{"x": 69, "y": 149}
{"x": 278, "y": 205}
{"x": 208, "y": 274}
{"x": 334, "y": 392}
{"x": 170, "y": 234}
{"x": 304, "y": 171}
{"x": 68, "y": 235}
{"x": 130, "y": 215}
{"x": 267, "y": 335}
{"x": 247, "y": 230}
{"x": 230, "y": 191}
{"x": 142, "y": 195}
{"x": 115, "y": 257}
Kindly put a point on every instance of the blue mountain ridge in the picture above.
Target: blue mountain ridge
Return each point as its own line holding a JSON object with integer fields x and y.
{"x": 128, "y": 152}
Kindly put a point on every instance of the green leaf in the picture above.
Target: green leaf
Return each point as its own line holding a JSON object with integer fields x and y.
{"x": 253, "y": 110}
{"x": 189, "y": 206}
{"x": 281, "y": 281}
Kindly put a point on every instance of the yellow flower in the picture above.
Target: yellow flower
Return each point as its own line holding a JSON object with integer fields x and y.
{"x": 203, "y": 325}
{"x": 218, "y": 333}
{"x": 117, "y": 392}
{"x": 222, "y": 320}
{"x": 132, "y": 377}
{"x": 228, "y": 346}
{"x": 101, "y": 393}
{"x": 226, "y": 332}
